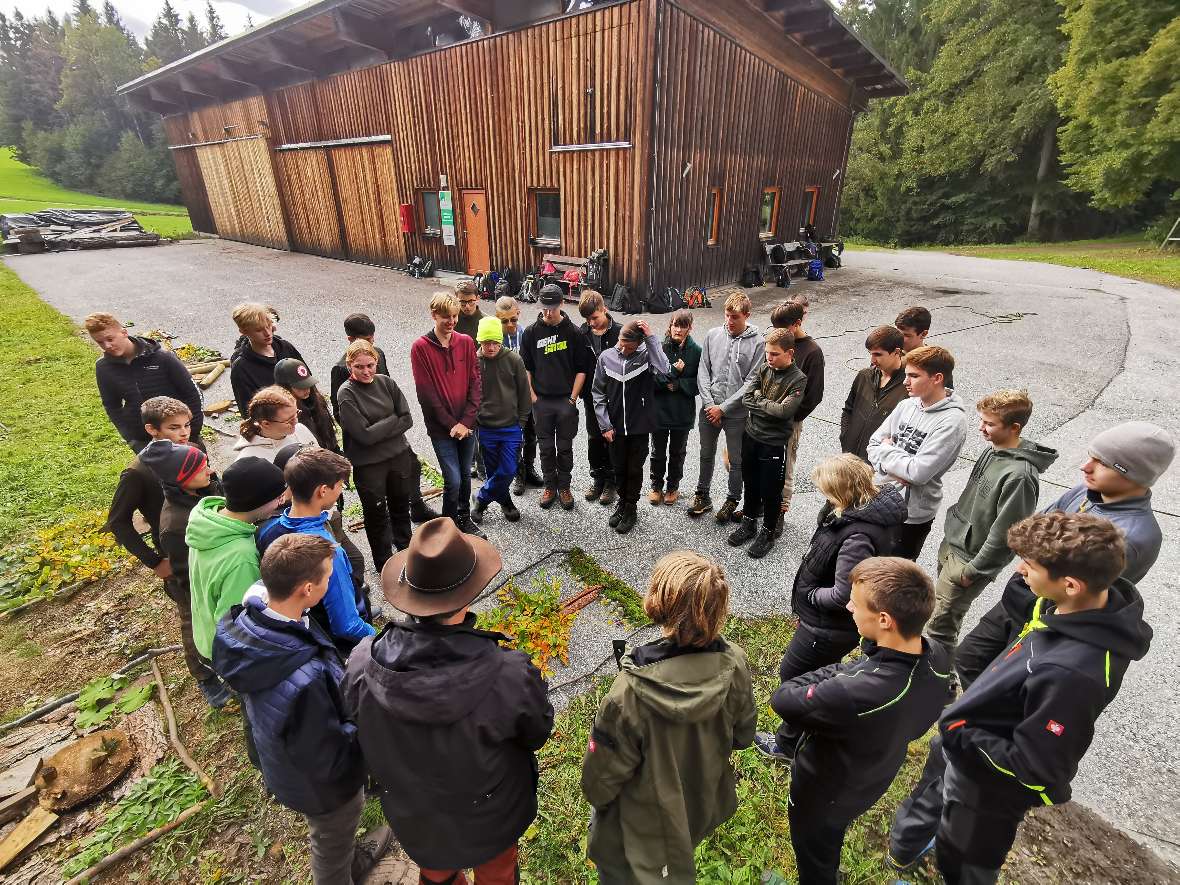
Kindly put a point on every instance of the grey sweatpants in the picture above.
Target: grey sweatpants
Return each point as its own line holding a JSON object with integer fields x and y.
{"x": 333, "y": 838}
{"x": 734, "y": 427}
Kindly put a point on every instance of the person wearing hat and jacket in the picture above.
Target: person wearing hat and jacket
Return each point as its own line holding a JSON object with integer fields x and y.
{"x": 448, "y": 720}
{"x": 294, "y": 377}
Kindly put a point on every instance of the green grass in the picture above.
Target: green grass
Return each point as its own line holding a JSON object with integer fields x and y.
{"x": 59, "y": 454}
{"x": 24, "y": 189}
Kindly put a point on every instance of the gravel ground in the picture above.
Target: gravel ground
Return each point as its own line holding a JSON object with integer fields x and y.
{"x": 1092, "y": 349}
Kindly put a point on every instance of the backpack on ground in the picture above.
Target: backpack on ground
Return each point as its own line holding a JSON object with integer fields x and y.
{"x": 596, "y": 271}
{"x": 665, "y": 301}
{"x": 695, "y": 297}
{"x": 528, "y": 290}
{"x": 421, "y": 267}
{"x": 751, "y": 276}
{"x": 623, "y": 300}
{"x": 815, "y": 270}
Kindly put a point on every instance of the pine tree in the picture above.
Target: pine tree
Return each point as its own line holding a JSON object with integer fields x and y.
{"x": 111, "y": 17}
{"x": 214, "y": 29}
{"x": 192, "y": 36}
{"x": 82, "y": 9}
{"x": 166, "y": 40}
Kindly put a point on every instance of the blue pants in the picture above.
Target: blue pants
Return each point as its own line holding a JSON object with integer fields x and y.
{"x": 500, "y": 448}
{"x": 454, "y": 461}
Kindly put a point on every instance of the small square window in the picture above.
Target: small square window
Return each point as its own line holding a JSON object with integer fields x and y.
{"x": 768, "y": 213}
{"x": 431, "y": 214}
{"x": 713, "y": 217}
{"x": 546, "y": 218}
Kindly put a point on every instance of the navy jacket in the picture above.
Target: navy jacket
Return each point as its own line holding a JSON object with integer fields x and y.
{"x": 289, "y": 678}
{"x": 153, "y": 371}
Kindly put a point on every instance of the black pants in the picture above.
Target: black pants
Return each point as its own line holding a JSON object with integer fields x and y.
{"x": 763, "y": 469}
{"x": 627, "y": 454}
{"x": 597, "y": 448}
{"x": 528, "y": 447}
{"x": 818, "y": 838}
{"x": 917, "y": 817}
{"x": 974, "y": 838}
{"x": 557, "y": 425}
{"x": 911, "y": 538}
{"x": 668, "y": 448}
{"x": 384, "y": 489}
{"x": 986, "y": 640}
{"x": 809, "y": 650}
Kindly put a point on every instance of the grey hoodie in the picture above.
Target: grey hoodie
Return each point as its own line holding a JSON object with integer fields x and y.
{"x": 728, "y": 362}
{"x": 925, "y": 444}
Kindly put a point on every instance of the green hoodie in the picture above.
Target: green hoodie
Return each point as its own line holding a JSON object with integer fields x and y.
{"x": 222, "y": 564}
{"x": 657, "y": 768}
{"x": 1003, "y": 489}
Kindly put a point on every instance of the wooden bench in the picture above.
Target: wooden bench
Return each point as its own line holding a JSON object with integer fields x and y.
{"x": 562, "y": 264}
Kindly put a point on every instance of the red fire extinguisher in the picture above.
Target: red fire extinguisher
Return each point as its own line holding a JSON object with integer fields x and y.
{"x": 406, "y": 211}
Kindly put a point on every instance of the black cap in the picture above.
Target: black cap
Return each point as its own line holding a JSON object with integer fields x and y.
{"x": 251, "y": 482}
{"x": 551, "y": 295}
{"x": 293, "y": 373}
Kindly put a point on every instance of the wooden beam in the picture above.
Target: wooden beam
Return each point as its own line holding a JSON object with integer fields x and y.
{"x": 859, "y": 55}
{"x": 235, "y": 72}
{"x": 286, "y": 54}
{"x": 359, "y": 31}
{"x": 479, "y": 9}
{"x": 808, "y": 22}
{"x": 860, "y": 70}
{"x": 142, "y": 100}
{"x": 193, "y": 86}
{"x": 166, "y": 93}
{"x": 880, "y": 80}
{"x": 842, "y": 40}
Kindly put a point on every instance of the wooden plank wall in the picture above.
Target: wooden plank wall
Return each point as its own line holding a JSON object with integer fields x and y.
{"x": 192, "y": 189}
{"x": 243, "y": 197}
{"x": 762, "y": 128}
{"x": 367, "y": 194}
{"x": 305, "y": 181}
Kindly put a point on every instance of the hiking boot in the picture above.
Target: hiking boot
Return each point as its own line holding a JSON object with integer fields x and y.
{"x": 762, "y": 543}
{"x": 617, "y": 515}
{"x": 610, "y": 495}
{"x": 510, "y": 512}
{"x": 465, "y": 524}
{"x": 727, "y": 511}
{"x": 743, "y": 533}
{"x": 671, "y": 497}
{"x": 548, "y": 498}
{"x": 595, "y": 490}
{"x": 627, "y": 520}
{"x": 369, "y": 850}
{"x": 518, "y": 485}
{"x": 420, "y": 511}
{"x": 904, "y": 865}
{"x": 532, "y": 478}
{"x": 655, "y": 497}
{"x": 477, "y": 510}
{"x": 767, "y": 745}
{"x": 700, "y": 505}
{"x": 215, "y": 692}
{"x": 566, "y": 498}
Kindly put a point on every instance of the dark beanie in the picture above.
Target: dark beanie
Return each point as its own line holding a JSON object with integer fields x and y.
{"x": 285, "y": 454}
{"x": 251, "y": 482}
{"x": 173, "y": 464}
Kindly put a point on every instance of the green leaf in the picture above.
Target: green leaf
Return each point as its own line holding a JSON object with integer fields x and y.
{"x": 135, "y": 698}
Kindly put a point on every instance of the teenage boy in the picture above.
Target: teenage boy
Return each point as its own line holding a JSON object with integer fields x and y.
{"x": 316, "y": 478}
{"x": 919, "y": 442}
{"x": 558, "y": 363}
{"x": 875, "y": 391}
{"x": 731, "y": 356}
{"x": 466, "y": 714}
{"x": 624, "y": 403}
{"x": 1002, "y": 490}
{"x": 258, "y": 351}
{"x": 809, "y": 358}
{"x": 505, "y": 402}
{"x": 184, "y": 474}
{"x": 1013, "y": 741}
{"x": 288, "y": 673}
{"x": 914, "y": 325}
{"x": 446, "y": 377}
{"x": 600, "y": 332}
{"x": 508, "y": 313}
{"x": 469, "y": 313}
{"x": 223, "y": 557}
{"x": 858, "y": 718}
{"x": 133, "y": 369}
{"x": 356, "y": 326}
{"x": 771, "y": 400}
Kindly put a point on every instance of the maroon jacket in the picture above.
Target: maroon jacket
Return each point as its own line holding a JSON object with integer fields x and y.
{"x": 447, "y": 381}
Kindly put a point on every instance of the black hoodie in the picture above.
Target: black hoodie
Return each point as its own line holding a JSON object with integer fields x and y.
{"x": 153, "y": 371}
{"x": 554, "y": 355}
{"x": 251, "y": 371}
{"x": 1018, "y": 733}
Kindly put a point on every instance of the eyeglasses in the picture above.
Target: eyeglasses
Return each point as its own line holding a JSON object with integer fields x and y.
{"x": 290, "y": 422}
{"x": 468, "y": 300}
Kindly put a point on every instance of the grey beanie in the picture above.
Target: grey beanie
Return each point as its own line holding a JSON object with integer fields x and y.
{"x": 1139, "y": 450}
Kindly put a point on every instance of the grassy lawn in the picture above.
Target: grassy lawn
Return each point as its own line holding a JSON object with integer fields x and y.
{"x": 23, "y": 189}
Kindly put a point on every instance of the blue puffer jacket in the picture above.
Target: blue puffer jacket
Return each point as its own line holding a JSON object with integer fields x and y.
{"x": 289, "y": 678}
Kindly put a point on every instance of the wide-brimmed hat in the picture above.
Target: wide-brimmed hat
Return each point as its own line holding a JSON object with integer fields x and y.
{"x": 441, "y": 571}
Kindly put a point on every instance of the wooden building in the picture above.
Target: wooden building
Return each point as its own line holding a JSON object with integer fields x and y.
{"x": 679, "y": 135}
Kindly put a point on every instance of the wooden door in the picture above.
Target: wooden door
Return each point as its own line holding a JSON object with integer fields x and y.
{"x": 475, "y": 231}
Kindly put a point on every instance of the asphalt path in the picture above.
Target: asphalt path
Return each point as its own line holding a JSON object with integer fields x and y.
{"x": 1092, "y": 349}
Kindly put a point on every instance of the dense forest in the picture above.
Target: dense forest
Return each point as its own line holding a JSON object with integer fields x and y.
{"x": 1044, "y": 119}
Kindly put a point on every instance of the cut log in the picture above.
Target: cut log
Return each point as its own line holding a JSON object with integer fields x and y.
{"x": 13, "y": 806}
{"x": 25, "y": 834}
{"x": 218, "y": 407}
{"x": 205, "y": 381}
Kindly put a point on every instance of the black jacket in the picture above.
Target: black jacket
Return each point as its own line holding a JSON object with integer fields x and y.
{"x": 250, "y": 372}
{"x": 809, "y": 357}
{"x": 153, "y": 371}
{"x": 138, "y": 489}
{"x": 867, "y": 406}
{"x": 178, "y": 505}
{"x": 554, "y": 355}
{"x": 608, "y": 339}
{"x": 822, "y": 586}
{"x": 857, "y": 719}
{"x": 1017, "y": 734}
{"x": 448, "y": 724}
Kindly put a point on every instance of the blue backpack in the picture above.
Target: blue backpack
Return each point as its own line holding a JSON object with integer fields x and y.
{"x": 815, "y": 269}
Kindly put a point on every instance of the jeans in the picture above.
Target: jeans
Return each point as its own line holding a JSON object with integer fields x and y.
{"x": 910, "y": 539}
{"x": 454, "y": 462}
{"x": 500, "y": 445}
{"x": 809, "y": 650}
{"x": 762, "y": 476}
{"x": 951, "y": 598}
{"x": 734, "y": 427}
{"x": 557, "y": 425}
{"x": 597, "y": 448}
{"x": 668, "y": 447}
{"x": 789, "y": 466}
{"x": 384, "y": 489}
{"x": 500, "y": 870}
{"x": 333, "y": 838}
{"x": 627, "y": 454}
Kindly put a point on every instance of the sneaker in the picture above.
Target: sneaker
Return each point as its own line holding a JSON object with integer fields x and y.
{"x": 518, "y": 485}
{"x": 904, "y": 865}
{"x": 465, "y": 524}
{"x": 671, "y": 497}
{"x": 609, "y": 495}
{"x": 593, "y": 493}
{"x": 655, "y": 497}
{"x": 700, "y": 505}
{"x": 728, "y": 509}
{"x": 510, "y": 512}
{"x": 627, "y": 520}
{"x": 767, "y": 745}
{"x": 743, "y": 533}
{"x": 566, "y": 498}
{"x": 420, "y": 511}
{"x": 762, "y": 543}
{"x": 532, "y": 478}
{"x": 215, "y": 692}
{"x": 369, "y": 850}
{"x": 617, "y": 515}
{"x": 478, "y": 509}
{"x": 548, "y": 498}
{"x": 736, "y": 516}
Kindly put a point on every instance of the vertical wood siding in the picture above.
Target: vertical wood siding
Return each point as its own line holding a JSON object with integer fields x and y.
{"x": 243, "y": 196}
{"x": 192, "y": 189}
{"x": 305, "y": 180}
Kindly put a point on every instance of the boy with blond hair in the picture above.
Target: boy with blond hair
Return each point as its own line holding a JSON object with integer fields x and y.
{"x": 600, "y": 332}
{"x": 258, "y": 351}
{"x": 1003, "y": 489}
{"x": 134, "y": 369}
{"x": 663, "y": 734}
